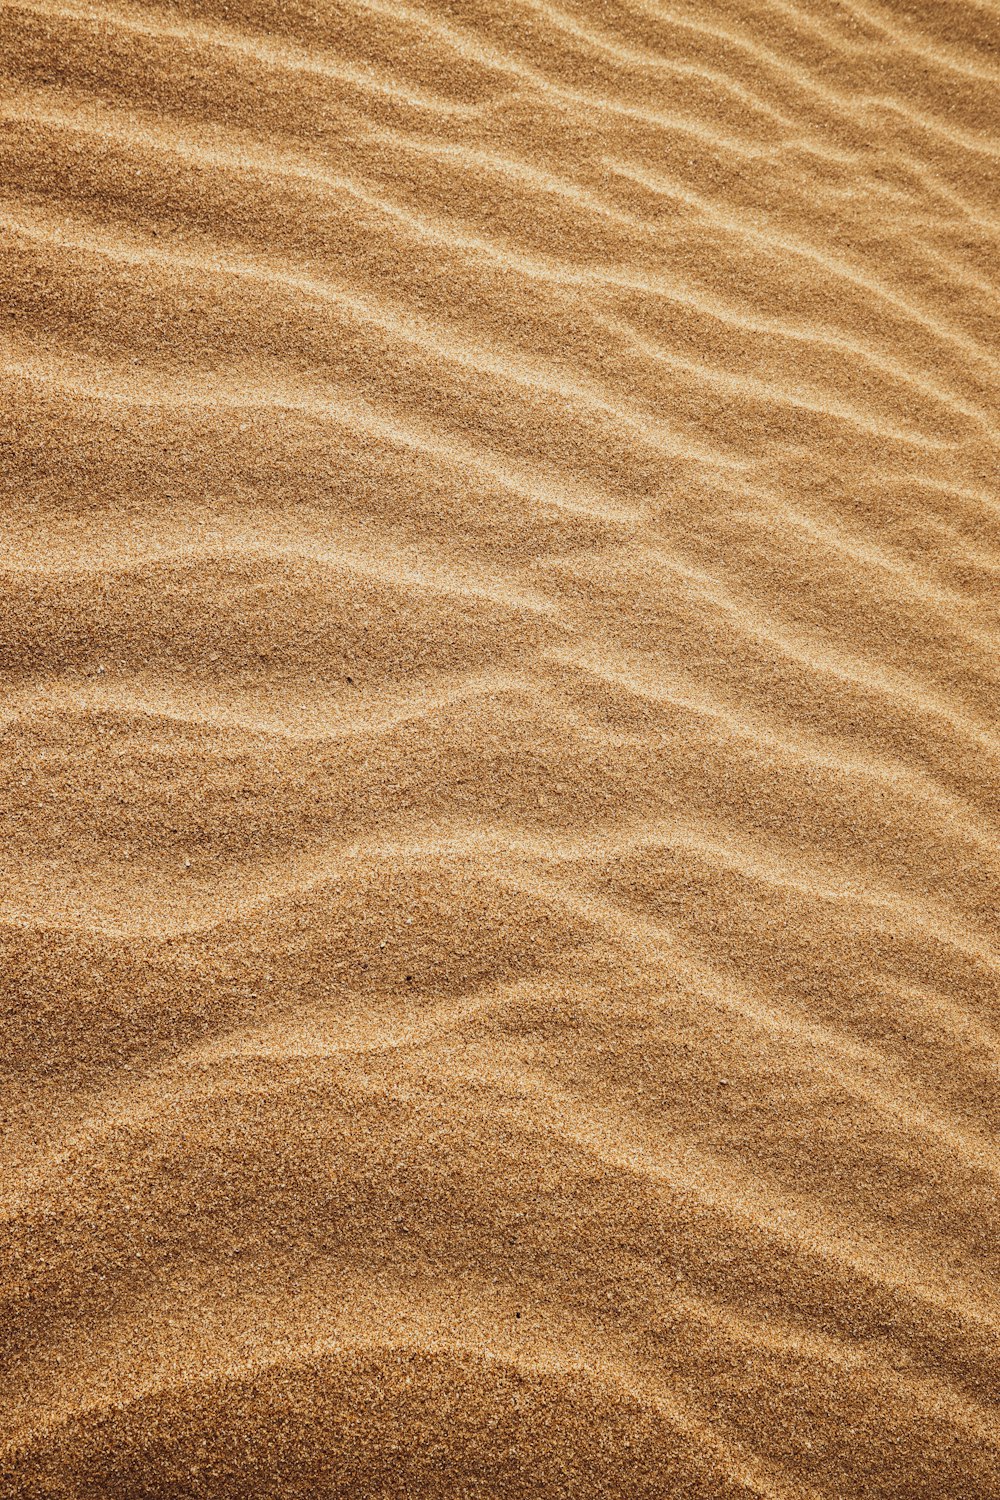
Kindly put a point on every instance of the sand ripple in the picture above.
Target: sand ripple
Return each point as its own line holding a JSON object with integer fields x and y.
{"x": 499, "y": 642}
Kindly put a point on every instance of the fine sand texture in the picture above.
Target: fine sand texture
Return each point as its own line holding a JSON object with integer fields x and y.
{"x": 500, "y": 765}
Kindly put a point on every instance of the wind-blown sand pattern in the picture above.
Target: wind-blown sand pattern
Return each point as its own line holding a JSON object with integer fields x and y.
{"x": 499, "y": 626}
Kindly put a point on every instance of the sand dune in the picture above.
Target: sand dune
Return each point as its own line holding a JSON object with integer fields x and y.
{"x": 499, "y": 626}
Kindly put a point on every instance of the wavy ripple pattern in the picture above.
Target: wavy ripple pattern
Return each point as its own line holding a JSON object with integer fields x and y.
{"x": 499, "y": 862}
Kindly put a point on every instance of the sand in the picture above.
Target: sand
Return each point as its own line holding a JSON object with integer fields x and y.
{"x": 499, "y": 626}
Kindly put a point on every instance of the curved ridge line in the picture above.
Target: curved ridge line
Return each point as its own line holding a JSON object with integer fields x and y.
{"x": 532, "y": 268}
{"x": 145, "y": 22}
{"x": 466, "y": 45}
{"x": 423, "y": 336}
{"x": 632, "y": 57}
{"x": 959, "y": 270}
{"x": 984, "y": 499}
{"x": 934, "y": 185}
{"x": 691, "y": 1170}
{"x": 62, "y": 698}
{"x": 754, "y": 730}
{"x": 919, "y": 585}
{"x": 936, "y": 1395}
{"x": 768, "y": 392}
{"x": 699, "y": 1173}
{"x": 218, "y": 395}
{"x": 778, "y": 871}
{"x": 91, "y": 699}
{"x": 280, "y": 54}
{"x": 772, "y": 240}
{"x": 896, "y": 35}
{"x": 520, "y": 170}
{"x": 597, "y": 1131}
{"x": 273, "y": 53}
{"x": 456, "y": 842}
{"x": 810, "y": 650}
{"x": 717, "y": 1452}
{"x": 398, "y": 568}
{"x": 967, "y": 1030}
{"x": 787, "y": 67}
{"x": 978, "y": 1153}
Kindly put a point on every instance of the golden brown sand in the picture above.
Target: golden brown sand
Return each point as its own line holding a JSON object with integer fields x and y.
{"x": 498, "y": 619}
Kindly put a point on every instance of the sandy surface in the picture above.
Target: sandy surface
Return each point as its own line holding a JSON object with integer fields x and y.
{"x": 499, "y": 626}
